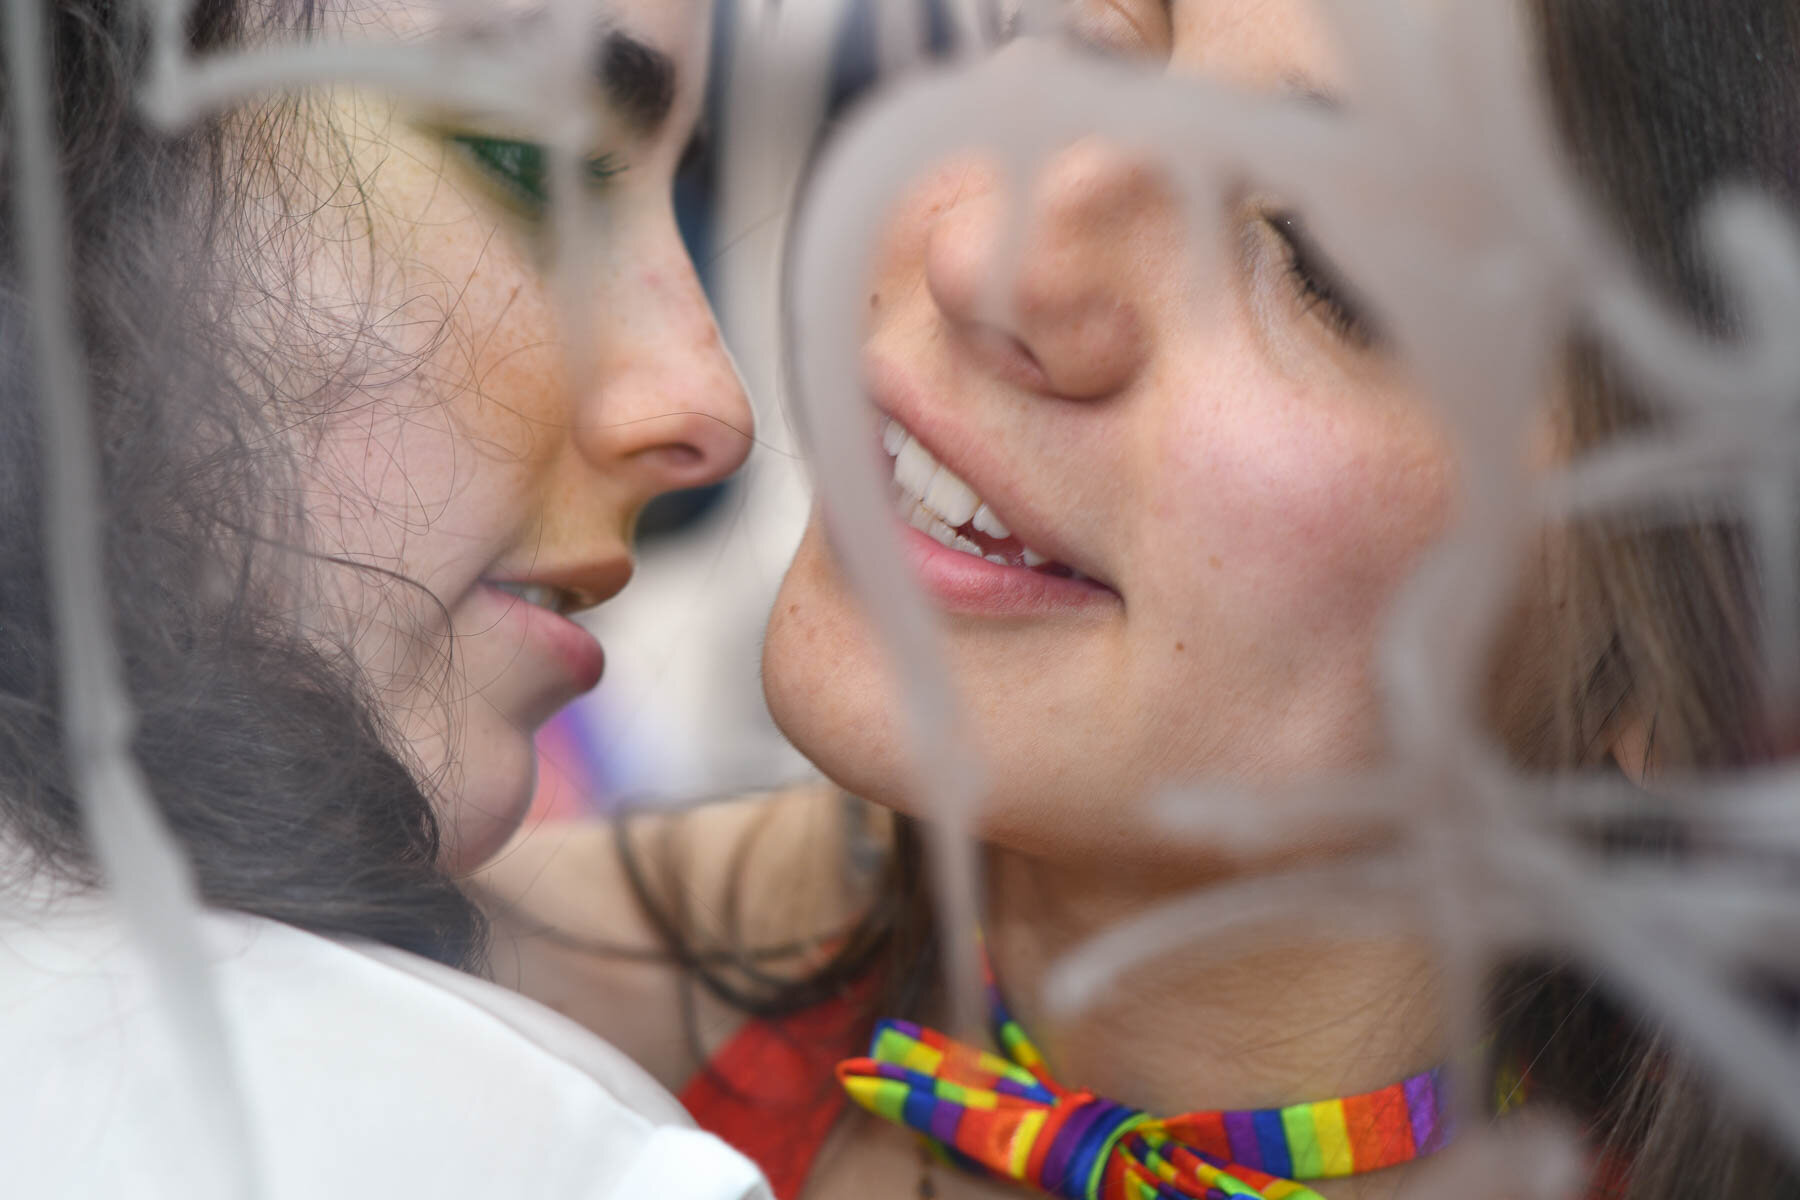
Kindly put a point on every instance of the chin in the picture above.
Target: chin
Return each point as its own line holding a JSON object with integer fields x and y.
{"x": 829, "y": 689}
{"x": 827, "y": 686}
{"x": 492, "y": 797}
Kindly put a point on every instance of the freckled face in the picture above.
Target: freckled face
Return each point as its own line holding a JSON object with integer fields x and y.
{"x": 493, "y": 490}
{"x": 1238, "y": 463}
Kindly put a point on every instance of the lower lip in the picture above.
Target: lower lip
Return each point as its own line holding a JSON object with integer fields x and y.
{"x": 555, "y": 639}
{"x": 963, "y": 583}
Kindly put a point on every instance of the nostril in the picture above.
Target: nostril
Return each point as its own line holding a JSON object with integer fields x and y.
{"x": 709, "y": 448}
{"x": 1009, "y": 358}
{"x": 683, "y": 457}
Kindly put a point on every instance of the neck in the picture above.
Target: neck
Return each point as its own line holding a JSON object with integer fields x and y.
{"x": 1278, "y": 1016}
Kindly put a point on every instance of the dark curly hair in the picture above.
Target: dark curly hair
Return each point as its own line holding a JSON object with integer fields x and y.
{"x": 263, "y": 748}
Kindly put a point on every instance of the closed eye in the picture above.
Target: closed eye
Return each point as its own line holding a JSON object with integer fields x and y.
{"x": 1321, "y": 288}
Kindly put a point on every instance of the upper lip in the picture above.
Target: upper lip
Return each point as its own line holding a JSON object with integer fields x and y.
{"x": 893, "y": 398}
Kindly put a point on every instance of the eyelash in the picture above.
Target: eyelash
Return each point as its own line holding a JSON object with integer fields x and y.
{"x": 1320, "y": 288}
{"x": 520, "y": 168}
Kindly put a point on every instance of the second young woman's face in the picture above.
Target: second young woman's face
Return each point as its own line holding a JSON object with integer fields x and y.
{"x": 1241, "y": 474}
{"x": 481, "y": 491}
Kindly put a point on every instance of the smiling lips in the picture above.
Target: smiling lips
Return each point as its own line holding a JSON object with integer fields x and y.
{"x": 935, "y": 501}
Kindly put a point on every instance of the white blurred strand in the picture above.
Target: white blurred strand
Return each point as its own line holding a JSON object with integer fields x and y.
{"x": 1659, "y": 478}
{"x": 1773, "y": 504}
{"x": 971, "y": 25}
{"x": 452, "y": 74}
{"x": 778, "y": 77}
{"x": 1239, "y": 822}
{"x": 831, "y": 260}
{"x": 149, "y": 882}
{"x": 1754, "y": 812}
{"x": 1754, "y": 248}
{"x": 570, "y": 56}
{"x": 1676, "y": 984}
{"x": 1736, "y": 400}
{"x": 1529, "y": 1157}
{"x": 1677, "y": 991}
{"x": 1372, "y": 897}
{"x": 900, "y": 35}
{"x": 1732, "y": 920}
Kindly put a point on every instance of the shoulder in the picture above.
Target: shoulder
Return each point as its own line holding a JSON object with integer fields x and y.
{"x": 366, "y": 1071}
{"x": 570, "y": 930}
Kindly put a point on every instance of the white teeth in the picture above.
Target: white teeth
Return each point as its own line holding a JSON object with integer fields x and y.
{"x": 892, "y": 436}
{"x": 934, "y": 500}
{"x": 951, "y": 498}
{"x": 988, "y": 523}
{"x": 534, "y": 593}
{"x": 914, "y": 467}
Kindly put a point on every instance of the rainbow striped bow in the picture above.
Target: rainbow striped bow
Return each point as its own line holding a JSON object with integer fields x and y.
{"x": 1006, "y": 1117}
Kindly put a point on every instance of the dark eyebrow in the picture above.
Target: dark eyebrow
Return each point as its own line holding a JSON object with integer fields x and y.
{"x": 638, "y": 79}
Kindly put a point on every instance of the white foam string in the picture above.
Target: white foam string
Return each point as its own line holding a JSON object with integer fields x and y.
{"x": 149, "y": 883}
{"x": 1676, "y": 980}
{"x": 777, "y": 72}
{"x": 900, "y": 34}
{"x": 1371, "y": 897}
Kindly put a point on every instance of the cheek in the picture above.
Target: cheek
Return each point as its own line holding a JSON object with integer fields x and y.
{"x": 1303, "y": 516}
{"x": 825, "y": 677}
{"x": 380, "y": 480}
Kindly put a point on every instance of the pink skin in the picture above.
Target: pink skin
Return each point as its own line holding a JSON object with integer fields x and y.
{"x": 480, "y": 463}
{"x": 565, "y": 648}
{"x": 1248, "y": 488}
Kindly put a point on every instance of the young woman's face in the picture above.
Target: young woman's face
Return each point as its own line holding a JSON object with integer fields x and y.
{"x": 492, "y": 491}
{"x": 1239, "y": 469}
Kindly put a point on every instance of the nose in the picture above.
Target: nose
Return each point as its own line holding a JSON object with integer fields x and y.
{"x": 1071, "y": 322}
{"x": 666, "y": 409}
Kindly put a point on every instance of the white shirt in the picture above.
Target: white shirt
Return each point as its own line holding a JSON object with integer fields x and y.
{"x": 367, "y": 1072}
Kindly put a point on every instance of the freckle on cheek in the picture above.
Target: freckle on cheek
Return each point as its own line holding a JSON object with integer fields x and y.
{"x": 1214, "y": 562}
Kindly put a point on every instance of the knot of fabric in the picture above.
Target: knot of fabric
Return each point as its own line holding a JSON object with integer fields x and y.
{"x": 1006, "y": 1117}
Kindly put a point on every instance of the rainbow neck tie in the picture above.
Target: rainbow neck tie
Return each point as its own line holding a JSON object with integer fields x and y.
{"x": 1007, "y": 1118}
